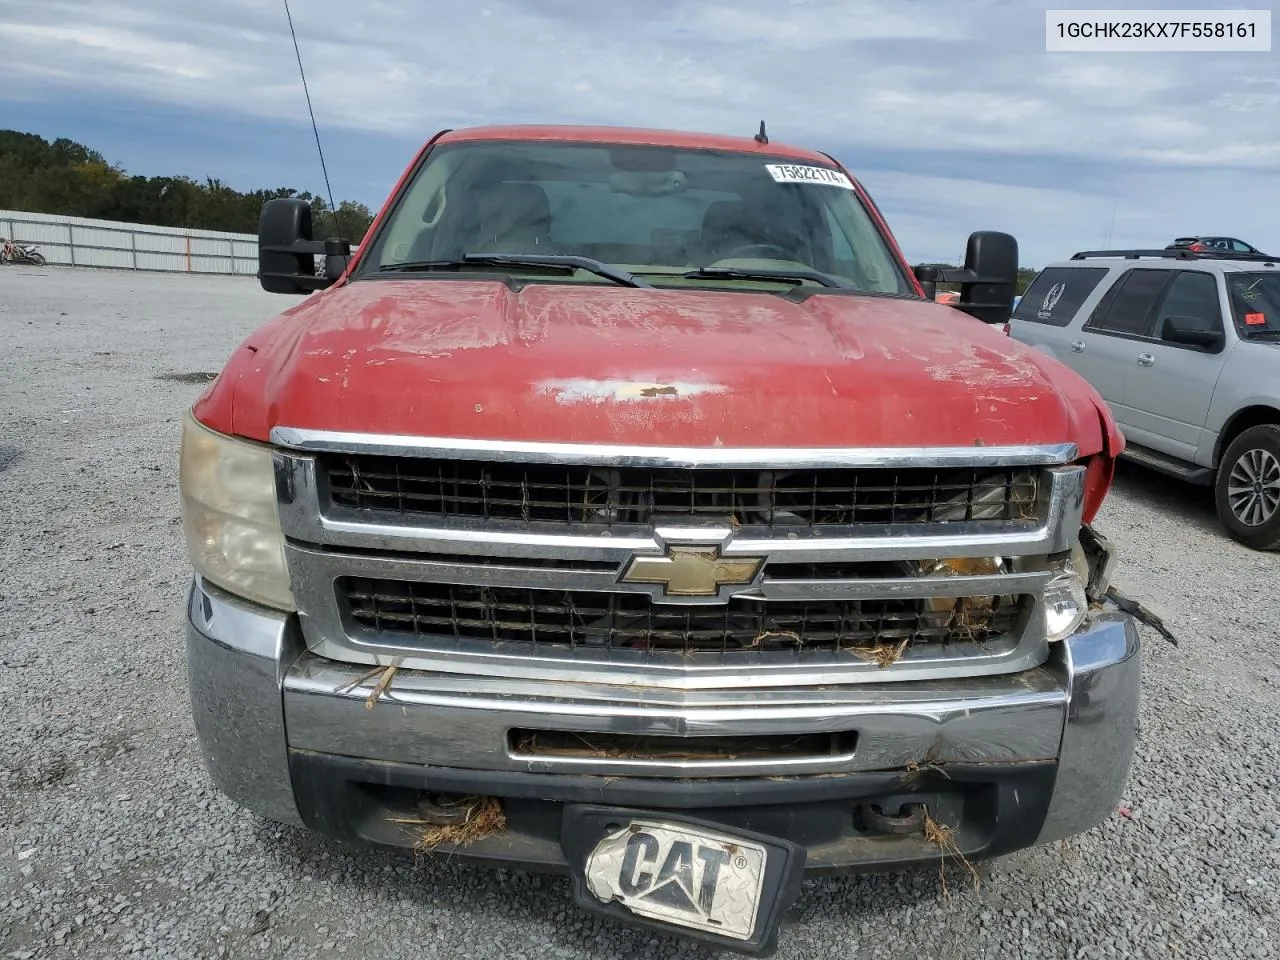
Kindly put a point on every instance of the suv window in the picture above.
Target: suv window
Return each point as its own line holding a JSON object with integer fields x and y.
{"x": 1192, "y": 297}
{"x": 1255, "y": 302}
{"x": 1057, "y": 293}
{"x": 1127, "y": 307}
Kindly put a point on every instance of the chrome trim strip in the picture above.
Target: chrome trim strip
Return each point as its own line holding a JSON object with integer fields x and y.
{"x": 921, "y": 546}
{"x": 460, "y": 721}
{"x": 321, "y": 567}
{"x": 922, "y": 663}
{"x": 965, "y": 541}
{"x": 907, "y": 588}
{"x": 328, "y": 566}
{"x": 836, "y": 763}
{"x": 452, "y": 448}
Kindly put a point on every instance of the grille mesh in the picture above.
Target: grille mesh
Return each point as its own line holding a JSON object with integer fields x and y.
{"x": 605, "y": 496}
{"x": 572, "y": 620}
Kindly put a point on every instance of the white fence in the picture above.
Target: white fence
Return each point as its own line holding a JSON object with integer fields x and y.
{"x": 80, "y": 242}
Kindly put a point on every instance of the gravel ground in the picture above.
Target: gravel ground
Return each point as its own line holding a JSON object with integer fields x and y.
{"x": 113, "y": 842}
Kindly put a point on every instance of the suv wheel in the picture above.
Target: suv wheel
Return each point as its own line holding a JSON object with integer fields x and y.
{"x": 1247, "y": 488}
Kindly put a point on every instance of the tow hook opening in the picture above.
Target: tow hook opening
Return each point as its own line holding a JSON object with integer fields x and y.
{"x": 446, "y": 809}
{"x": 894, "y": 819}
{"x": 448, "y": 820}
{"x": 907, "y": 814}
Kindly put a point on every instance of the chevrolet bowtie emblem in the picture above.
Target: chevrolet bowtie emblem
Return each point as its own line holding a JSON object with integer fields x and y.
{"x": 692, "y": 570}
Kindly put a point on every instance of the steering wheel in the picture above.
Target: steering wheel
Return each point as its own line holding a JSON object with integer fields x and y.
{"x": 760, "y": 248}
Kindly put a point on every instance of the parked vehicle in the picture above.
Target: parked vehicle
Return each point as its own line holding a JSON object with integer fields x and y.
{"x": 1211, "y": 244}
{"x": 627, "y": 508}
{"x": 1185, "y": 348}
{"x": 24, "y": 253}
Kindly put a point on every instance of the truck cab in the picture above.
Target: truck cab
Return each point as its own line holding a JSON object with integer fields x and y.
{"x": 627, "y": 508}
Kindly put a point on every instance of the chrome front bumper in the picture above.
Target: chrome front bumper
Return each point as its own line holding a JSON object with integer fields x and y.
{"x": 265, "y": 707}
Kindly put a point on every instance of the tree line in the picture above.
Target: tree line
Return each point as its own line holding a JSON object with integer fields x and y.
{"x": 70, "y": 179}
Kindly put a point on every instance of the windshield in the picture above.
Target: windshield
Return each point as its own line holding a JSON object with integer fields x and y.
{"x": 1255, "y": 302}
{"x": 657, "y": 213}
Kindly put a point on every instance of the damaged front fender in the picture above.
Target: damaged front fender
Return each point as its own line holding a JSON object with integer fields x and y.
{"x": 1101, "y": 556}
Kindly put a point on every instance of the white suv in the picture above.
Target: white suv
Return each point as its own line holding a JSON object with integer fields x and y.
{"x": 1185, "y": 348}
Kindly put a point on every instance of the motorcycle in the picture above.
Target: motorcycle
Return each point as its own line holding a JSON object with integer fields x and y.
{"x": 11, "y": 252}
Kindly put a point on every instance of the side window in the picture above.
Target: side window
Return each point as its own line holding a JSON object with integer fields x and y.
{"x": 1057, "y": 293}
{"x": 1193, "y": 299}
{"x": 1241, "y": 247}
{"x": 1127, "y": 307}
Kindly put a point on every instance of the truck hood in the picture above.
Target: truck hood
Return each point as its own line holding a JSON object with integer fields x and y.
{"x": 591, "y": 364}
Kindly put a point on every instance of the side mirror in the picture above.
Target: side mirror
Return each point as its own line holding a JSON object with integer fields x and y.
{"x": 929, "y": 277}
{"x": 987, "y": 280}
{"x": 1183, "y": 330}
{"x": 287, "y": 252}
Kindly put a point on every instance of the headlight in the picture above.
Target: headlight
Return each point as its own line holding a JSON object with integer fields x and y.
{"x": 1066, "y": 599}
{"x": 1066, "y": 604}
{"x": 229, "y": 515}
{"x": 963, "y": 567}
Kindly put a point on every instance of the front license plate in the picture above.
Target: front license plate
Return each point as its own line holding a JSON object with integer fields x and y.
{"x": 694, "y": 878}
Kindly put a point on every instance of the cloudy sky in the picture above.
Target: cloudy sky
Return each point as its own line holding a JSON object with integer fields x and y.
{"x": 950, "y": 111}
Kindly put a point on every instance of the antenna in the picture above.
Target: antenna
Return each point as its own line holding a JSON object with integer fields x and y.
{"x": 333, "y": 207}
{"x": 761, "y": 137}
{"x": 1111, "y": 229}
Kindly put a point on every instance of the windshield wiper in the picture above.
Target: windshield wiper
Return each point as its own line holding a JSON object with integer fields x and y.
{"x": 785, "y": 276}
{"x": 1262, "y": 334}
{"x": 566, "y": 264}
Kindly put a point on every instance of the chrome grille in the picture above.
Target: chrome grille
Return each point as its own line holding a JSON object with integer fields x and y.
{"x": 606, "y": 497}
{"x": 548, "y": 620}
{"x": 482, "y": 559}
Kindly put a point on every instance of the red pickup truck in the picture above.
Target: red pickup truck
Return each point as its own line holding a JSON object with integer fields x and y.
{"x": 627, "y": 508}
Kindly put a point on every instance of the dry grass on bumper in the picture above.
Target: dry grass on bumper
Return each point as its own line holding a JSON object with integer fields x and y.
{"x": 941, "y": 836}
{"x": 483, "y": 820}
